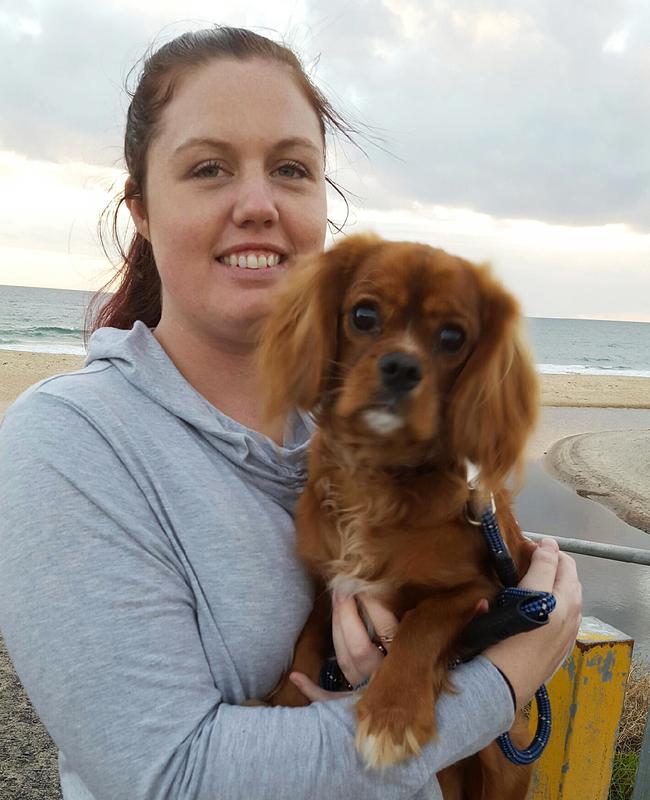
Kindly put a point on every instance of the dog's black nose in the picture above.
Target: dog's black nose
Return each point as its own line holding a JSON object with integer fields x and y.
{"x": 400, "y": 372}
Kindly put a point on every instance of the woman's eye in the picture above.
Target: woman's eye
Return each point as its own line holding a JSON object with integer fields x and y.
{"x": 211, "y": 169}
{"x": 292, "y": 169}
{"x": 451, "y": 339}
{"x": 364, "y": 318}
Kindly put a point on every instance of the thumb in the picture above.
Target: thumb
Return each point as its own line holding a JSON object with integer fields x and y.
{"x": 312, "y": 691}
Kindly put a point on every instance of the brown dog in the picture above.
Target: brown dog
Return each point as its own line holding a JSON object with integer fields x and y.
{"x": 412, "y": 361}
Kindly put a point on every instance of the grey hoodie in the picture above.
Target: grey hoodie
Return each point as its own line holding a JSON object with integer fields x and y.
{"x": 148, "y": 586}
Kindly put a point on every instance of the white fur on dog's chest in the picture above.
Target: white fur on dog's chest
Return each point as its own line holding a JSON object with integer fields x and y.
{"x": 353, "y": 568}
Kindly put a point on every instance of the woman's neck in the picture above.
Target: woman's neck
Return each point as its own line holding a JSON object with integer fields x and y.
{"x": 223, "y": 373}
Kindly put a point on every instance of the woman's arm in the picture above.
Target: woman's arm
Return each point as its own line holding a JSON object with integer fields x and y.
{"x": 101, "y": 625}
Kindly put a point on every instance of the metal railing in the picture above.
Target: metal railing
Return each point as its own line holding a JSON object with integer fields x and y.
{"x": 631, "y": 555}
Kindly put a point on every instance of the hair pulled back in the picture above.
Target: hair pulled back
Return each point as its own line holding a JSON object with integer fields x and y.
{"x": 138, "y": 292}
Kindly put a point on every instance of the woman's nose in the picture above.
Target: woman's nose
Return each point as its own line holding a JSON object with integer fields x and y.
{"x": 255, "y": 203}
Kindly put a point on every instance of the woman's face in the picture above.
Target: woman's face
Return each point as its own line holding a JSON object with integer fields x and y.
{"x": 234, "y": 183}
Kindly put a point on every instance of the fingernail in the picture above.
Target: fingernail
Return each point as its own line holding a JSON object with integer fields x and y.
{"x": 338, "y": 597}
{"x": 550, "y": 544}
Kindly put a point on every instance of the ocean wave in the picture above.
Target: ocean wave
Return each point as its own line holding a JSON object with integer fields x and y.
{"x": 40, "y": 332}
{"x": 39, "y": 347}
{"x": 579, "y": 369}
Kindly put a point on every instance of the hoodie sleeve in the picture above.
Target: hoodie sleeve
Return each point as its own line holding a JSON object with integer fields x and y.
{"x": 101, "y": 626}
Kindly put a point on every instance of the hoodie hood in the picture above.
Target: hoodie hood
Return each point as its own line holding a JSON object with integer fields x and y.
{"x": 279, "y": 471}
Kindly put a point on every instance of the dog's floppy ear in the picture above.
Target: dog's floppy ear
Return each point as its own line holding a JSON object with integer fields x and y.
{"x": 494, "y": 401}
{"x": 299, "y": 339}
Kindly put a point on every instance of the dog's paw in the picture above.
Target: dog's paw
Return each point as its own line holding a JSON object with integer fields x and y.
{"x": 390, "y": 734}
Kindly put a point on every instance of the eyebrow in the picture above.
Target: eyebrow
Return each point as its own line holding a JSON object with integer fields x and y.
{"x": 293, "y": 141}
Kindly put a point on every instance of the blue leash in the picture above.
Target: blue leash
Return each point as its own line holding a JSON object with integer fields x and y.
{"x": 532, "y": 610}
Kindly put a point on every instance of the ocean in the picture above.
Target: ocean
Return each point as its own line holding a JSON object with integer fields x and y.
{"x": 51, "y": 321}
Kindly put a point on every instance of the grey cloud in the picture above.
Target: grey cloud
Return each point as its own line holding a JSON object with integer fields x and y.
{"x": 546, "y": 125}
{"x": 61, "y": 94}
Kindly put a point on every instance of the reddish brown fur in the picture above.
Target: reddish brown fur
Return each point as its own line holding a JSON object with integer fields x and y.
{"x": 385, "y": 512}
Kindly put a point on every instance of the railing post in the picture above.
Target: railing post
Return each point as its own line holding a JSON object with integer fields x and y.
{"x": 587, "y": 700}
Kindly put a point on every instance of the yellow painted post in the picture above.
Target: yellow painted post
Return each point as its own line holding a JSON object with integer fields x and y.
{"x": 586, "y": 703}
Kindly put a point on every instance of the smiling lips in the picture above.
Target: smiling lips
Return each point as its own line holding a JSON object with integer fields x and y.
{"x": 252, "y": 260}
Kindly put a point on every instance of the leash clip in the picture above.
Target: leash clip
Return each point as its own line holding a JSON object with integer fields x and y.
{"x": 472, "y": 516}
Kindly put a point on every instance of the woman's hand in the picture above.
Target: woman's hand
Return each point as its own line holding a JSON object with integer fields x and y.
{"x": 357, "y": 655}
{"x": 531, "y": 659}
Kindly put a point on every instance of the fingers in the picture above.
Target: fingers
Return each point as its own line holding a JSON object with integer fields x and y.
{"x": 542, "y": 573}
{"x": 384, "y": 622}
{"x": 357, "y": 656}
{"x": 482, "y": 607}
{"x": 567, "y": 573}
{"x": 311, "y": 691}
{"x": 568, "y": 589}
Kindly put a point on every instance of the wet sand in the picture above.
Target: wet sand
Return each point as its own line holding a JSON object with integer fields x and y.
{"x": 614, "y": 592}
{"x": 584, "y": 461}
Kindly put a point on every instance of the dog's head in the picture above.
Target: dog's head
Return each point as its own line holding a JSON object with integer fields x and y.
{"x": 406, "y": 349}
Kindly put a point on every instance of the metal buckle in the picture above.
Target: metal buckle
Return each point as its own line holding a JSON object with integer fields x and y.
{"x": 470, "y": 514}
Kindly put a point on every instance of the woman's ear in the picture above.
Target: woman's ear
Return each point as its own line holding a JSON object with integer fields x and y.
{"x": 299, "y": 340}
{"x": 494, "y": 402}
{"x": 135, "y": 204}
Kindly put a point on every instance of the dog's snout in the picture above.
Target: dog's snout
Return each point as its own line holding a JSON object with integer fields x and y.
{"x": 400, "y": 372}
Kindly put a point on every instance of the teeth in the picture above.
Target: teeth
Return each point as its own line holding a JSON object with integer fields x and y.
{"x": 251, "y": 260}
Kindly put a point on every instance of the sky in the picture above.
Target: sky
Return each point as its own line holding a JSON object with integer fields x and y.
{"x": 510, "y": 131}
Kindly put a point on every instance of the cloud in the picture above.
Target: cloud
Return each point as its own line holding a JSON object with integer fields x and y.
{"x": 512, "y": 108}
{"x": 63, "y": 96}
{"x": 53, "y": 206}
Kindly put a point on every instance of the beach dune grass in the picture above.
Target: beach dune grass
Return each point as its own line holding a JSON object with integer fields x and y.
{"x": 631, "y": 732}
{"x": 623, "y": 776}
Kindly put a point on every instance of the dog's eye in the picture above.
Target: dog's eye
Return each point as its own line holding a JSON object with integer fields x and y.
{"x": 451, "y": 338}
{"x": 364, "y": 318}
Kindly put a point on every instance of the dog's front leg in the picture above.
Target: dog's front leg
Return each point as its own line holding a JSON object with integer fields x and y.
{"x": 396, "y": 714}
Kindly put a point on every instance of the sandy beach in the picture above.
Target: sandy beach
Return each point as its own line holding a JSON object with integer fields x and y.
{"x": 584, "y": 461}
{"x": 595, "y": 391}
{"x": 18, "y": 370}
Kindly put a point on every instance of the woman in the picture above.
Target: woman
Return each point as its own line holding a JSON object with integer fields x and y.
{"x": 148, "y": 585}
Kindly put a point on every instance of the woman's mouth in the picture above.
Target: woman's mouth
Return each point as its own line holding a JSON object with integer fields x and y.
{"x": 252, "y": 259}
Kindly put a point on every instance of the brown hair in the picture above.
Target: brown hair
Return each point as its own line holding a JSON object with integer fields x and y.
{"x": 137, "y": 296}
